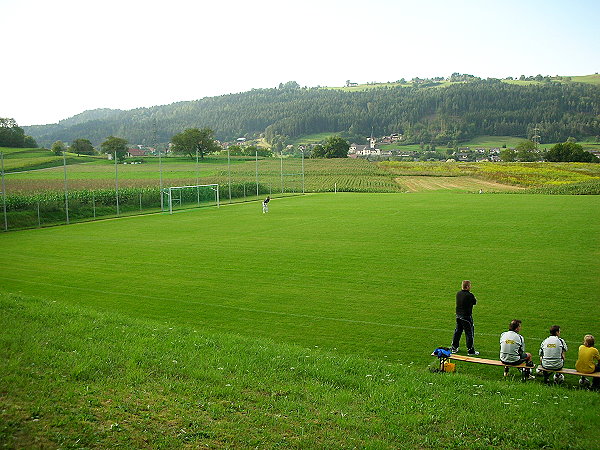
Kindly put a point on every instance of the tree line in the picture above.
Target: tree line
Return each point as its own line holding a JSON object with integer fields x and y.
{"x": 436, "y": 115}
{"x": 12, "y": 135}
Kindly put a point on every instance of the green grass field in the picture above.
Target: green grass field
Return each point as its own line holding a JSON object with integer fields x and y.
{"x": 310, "y": 326}
{"x": 19, "y": 159}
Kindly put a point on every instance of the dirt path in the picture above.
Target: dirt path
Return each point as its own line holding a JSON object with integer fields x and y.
{"x": 421, "y": 183}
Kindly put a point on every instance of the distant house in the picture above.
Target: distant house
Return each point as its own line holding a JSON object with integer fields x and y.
{"x": 358, "y": 150}
{"x": 364, "y": 150}
{"x": 135, "y": 152}
{"x": 462, "y": 156}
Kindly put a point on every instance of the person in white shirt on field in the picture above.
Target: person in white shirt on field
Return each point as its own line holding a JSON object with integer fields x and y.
{"x": 512, "y": 349}
{"x": 265, "y": 204}
{"x": 552, "y": 354}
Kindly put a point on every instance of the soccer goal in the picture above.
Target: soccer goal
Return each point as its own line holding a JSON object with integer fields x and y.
{"x": 186, "y": 197}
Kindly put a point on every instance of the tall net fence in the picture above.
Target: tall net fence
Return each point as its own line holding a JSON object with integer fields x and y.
{"x": 85, "y": 192}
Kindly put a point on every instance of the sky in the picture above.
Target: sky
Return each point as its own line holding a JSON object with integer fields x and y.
{"x": 63, "y": 57}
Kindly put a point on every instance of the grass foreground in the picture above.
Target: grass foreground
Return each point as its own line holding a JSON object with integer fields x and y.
{"x": 73, "y": 378}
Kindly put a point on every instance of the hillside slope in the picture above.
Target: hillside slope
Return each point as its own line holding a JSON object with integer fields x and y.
{"x": 73, "y": 377}
{"x": 421, "y": 113}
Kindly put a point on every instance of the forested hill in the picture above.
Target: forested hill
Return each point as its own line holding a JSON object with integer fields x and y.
{"x": 423, "y": 113}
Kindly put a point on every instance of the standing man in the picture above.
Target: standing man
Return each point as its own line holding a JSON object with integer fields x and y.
{"x": 464, "y": 318}
{"x": 266, "y": 204}
{"x": 512, "y": 350}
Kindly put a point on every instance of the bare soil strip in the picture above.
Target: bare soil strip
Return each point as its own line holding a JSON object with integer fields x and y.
{"x": 428, "y": 183}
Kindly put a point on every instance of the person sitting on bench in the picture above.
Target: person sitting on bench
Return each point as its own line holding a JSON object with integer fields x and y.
{"x": 552, "y": 354}
{"x": 512, "y": 349}
{"x": 588, "y": 361}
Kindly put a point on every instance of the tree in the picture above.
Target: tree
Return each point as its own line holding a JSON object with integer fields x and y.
{"x": 114, "y": 145}
{"x": 318, "y": 151}
{"x": 569, "y": 152}
{"x": 11, "y": 134}
{"x": 508, "y": 155}
{"x": 192, "y": 139}
{"x": 235, "y": 150}
{"x": 29, "y": 142}
{"x": 58, "y": 148}
{"x": 289, "y": 85}
{"x": 336, "y": 147}
{"x": 82, "y": 147}
{"x": 527, "y": 151}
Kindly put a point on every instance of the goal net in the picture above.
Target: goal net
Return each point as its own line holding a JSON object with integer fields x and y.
{"x": 186, "y": 197}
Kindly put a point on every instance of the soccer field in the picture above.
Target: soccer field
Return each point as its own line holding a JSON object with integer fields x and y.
{"x": 364, "y": 274}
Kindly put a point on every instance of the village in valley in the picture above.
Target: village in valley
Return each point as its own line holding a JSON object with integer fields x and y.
{"x": 463, "y": 154}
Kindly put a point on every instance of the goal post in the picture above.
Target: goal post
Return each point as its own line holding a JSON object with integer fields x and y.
{"x": 187, "y": 197}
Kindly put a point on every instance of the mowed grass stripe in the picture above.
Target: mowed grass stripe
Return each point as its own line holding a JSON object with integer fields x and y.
{"x": 446, "y": 331}
{"x": 387, "y": 258}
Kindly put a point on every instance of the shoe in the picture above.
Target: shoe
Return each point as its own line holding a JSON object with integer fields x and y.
{"x": 473, "y": 353}
{"x": 506, "y": 369}
{"x": 584, "y": 382}
{"x": 529, "y": 377}
{"x": 559, "y": 378}
{"x": 539, "y": 370}
{"x": 454, "y": 349}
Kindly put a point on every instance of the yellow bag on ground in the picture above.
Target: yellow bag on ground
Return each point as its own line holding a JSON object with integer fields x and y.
{"x": 449, "y": 367}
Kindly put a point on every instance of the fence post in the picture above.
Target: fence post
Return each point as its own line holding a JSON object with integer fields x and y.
{"x": 281, "y": 158}
{"x": 303, "y": 171}
{"x": 94, "y": 203}
{"x": 4, "y": 193}
{"x": 197, "y": 177}
{"x": 140, "y": 202}
{"x": 38, "y": 211}
{"x": 256, "y": 153}
{"x": 229, "y": 173}
{"x": 160, "y": 185}
{"x": 117, "y": 182}
{"x": 66, "y": 188}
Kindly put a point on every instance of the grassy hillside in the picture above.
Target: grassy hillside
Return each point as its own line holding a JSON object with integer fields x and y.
{"x": 590, "y": 79}
{"x": 22, "y": 159}
{"x": 78, "y": 378}
{"x": 310, "y": 326}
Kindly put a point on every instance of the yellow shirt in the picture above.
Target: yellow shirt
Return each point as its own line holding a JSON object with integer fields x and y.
{"x": 585, "y": 361}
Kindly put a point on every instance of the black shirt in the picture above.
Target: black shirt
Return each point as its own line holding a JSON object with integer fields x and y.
{"x": 464, "y": 303}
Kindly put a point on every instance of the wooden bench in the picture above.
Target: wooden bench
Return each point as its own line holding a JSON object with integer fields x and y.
{"x": 494, "y": 362}
{"x": 489, "y": 362}
{"x": 474, "y": 359}
{"x": 570, "y": 372}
